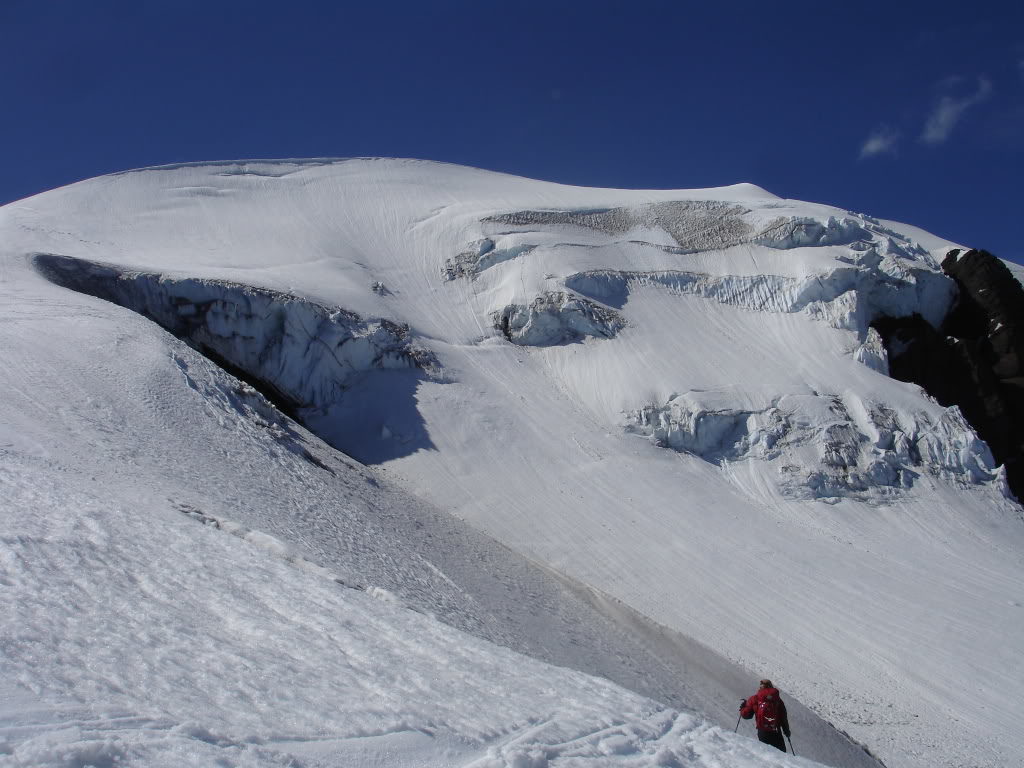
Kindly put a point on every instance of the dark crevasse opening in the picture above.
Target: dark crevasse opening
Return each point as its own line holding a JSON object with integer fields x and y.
{"x": 975, "y": 360}
{"x": 350, "y": 380}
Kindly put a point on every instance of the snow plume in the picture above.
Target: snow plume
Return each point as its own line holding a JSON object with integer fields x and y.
{"x": 950, "y": 110}
{"x": 881, "y": 141}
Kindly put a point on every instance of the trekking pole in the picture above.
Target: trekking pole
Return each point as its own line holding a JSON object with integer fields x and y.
{"x": 791, "y": 746}
{"x": 737, "y": 728}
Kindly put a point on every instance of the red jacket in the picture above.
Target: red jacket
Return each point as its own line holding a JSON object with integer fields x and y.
{"x": 758, "y": 705}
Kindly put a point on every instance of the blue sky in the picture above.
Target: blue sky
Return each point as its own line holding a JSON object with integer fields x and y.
{"x": 903, "y": 110}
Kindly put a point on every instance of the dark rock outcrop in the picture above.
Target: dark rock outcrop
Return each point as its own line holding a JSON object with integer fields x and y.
{"x": 976, "y": 359}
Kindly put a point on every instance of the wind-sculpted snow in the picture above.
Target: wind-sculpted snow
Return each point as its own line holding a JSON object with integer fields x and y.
{"x": 304, "y": 355}
{"x": 824, "y": 446}
{"x": 556, "y": 318}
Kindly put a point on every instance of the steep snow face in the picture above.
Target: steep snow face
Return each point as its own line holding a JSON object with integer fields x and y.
{"x": 191, "y": 579}
{"x": 653, "y": 392}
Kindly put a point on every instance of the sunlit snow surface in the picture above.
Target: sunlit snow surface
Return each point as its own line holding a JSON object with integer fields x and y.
{"x": 673, "y": 397}
{"x": 134, "y": 637}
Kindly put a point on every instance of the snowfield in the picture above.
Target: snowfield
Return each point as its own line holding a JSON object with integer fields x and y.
{"x": 547, "y": 476}
{"x": 129, "y": 646}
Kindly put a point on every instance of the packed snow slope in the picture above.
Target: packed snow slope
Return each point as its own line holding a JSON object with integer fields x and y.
{"x": 144, "y": 625}
{"x": 674, "y": 398}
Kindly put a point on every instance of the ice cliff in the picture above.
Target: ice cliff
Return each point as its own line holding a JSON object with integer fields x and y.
{"x": 304, "y": 356}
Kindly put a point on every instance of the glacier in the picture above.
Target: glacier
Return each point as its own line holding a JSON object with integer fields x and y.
{"x": 640, "y": 435}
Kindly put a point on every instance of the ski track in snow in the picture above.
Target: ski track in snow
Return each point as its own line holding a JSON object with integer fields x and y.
{"x": 137, "y": 634}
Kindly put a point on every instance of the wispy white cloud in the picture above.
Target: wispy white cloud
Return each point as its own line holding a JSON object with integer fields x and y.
{"x": 950, "y": 82}
{"x": 949, "y": 110}
{"x": 881, "y": 141}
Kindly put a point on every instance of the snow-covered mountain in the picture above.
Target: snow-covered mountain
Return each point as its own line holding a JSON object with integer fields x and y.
{"x": 644, "y": 436}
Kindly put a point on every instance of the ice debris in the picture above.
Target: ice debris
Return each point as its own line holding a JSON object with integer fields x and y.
{"x": 850, "y": 297}
{"x": 556, "y": 318}
{"x": 823, "y": 446}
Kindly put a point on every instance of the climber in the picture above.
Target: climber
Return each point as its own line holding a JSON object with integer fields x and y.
{"x": 769, "y": 711}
